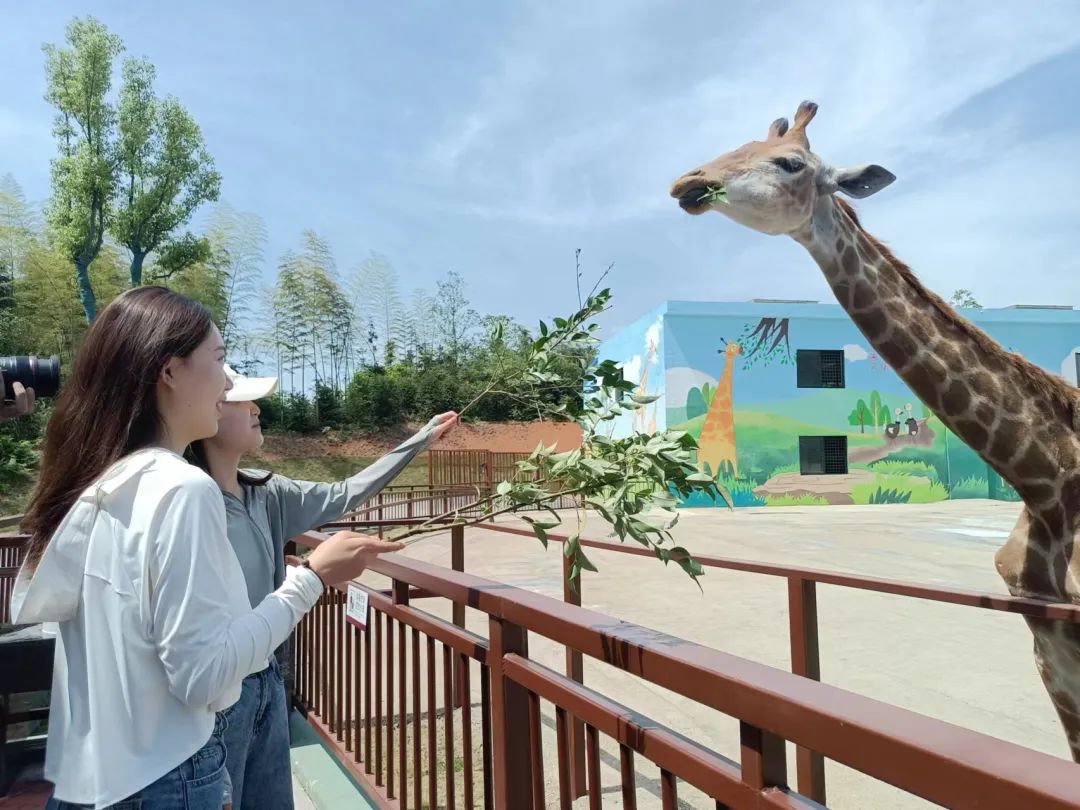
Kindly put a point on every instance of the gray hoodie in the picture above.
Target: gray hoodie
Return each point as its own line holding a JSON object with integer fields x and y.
{"x": 269, "y": 516}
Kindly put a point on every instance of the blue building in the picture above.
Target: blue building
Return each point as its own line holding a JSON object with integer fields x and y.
{"x": 791, "y": 404}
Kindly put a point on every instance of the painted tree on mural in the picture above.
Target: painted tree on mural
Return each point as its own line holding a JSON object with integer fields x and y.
{"x": 860, "y": 415}
{"x": 766, "y": 342}
{"x": 879, "y": 412}
{"x": 697, "y": 401}
{"x": 876, "y": 413}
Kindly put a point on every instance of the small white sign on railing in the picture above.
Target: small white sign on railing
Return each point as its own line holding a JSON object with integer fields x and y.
{"x": 356, "y": 609}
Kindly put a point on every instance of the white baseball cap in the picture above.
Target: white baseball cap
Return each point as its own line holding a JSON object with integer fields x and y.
{"x": 247, "y": 389}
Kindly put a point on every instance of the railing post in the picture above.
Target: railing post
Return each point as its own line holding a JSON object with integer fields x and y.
{"x": 575, "y": 671}
{"x": 511, "y": 761}
{"x": 764, "y": 758}
{"x": 457, "y": 562}
{"x": 806, "y": 661}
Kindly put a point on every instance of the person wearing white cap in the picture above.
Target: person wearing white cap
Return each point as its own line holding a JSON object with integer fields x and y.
{"x": 263, "y": 512}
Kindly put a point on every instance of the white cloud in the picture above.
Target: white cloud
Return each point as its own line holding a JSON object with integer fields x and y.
{"x": 583, "y": 134}
{"x": 632, "y": 368}
{"x": 854, "y": 353}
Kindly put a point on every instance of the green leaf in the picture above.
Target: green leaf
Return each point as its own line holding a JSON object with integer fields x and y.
{"x": 504, "y": 487}
{"x": 583, "y": 562}
{"x": 541, "y": 534}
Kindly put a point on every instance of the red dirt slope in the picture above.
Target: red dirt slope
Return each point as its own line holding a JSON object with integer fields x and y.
{"x": 499, "y": 437}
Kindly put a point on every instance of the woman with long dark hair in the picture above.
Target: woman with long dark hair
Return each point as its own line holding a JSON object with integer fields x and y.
{"x": 129, "y": 556}
{"x": 262, "y": 513}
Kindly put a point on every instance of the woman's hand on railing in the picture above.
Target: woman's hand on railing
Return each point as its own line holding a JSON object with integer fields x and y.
{"x": 345, "y": 555}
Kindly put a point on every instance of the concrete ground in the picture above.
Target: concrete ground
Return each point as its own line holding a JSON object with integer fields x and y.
{"x": 301, "y": 801}
{"x": 963, "y": 665}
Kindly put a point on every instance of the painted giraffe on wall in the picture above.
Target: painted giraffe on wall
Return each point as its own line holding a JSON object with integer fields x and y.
{"x": 1023, "y": 421}
{"x": 716, "y": 446}
{"x": 638, "y": 419}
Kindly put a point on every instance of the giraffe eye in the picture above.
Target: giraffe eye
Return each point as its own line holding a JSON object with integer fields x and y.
{"x": 791, "y": 165}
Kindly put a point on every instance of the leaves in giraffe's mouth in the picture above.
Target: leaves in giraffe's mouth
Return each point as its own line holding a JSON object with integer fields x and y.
{"x": 699, "y": 198}
{"x": 713, "y": 194}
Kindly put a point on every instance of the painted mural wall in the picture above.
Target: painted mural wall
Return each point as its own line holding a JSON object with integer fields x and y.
{"x": 639, "y": 350}
{"x": 730, "y": 380}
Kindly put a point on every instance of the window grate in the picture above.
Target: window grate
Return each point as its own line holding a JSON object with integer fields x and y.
{"x": 819, "y": 368}
{"x": 823, "y": 455}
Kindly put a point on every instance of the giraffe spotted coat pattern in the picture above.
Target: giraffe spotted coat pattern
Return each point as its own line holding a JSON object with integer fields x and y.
{"x": 1022, "y": 420}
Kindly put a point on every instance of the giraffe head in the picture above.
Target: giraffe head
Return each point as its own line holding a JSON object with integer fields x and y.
{"x": 730, "y": 350}
{"x": 774, "y": 186}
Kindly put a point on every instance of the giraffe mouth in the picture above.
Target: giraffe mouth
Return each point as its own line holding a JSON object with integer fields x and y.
{"x": 691, "y": 202}
{"x": 699, "y": 199}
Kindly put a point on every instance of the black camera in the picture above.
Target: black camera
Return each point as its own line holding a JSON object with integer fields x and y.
{"x": 40, "y": 373}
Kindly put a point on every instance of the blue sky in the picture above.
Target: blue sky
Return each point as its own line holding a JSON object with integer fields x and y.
{"x": 495, "y": 138}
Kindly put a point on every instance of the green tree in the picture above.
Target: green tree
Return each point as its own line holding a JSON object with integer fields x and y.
{"x": 455, "y": 320}
{"x": 16, "y": 240}
{"x": 860, "y": 416}
{"x": 421, "y": 332}
{"x": 164, "y": 172}
{"x": 695, "y": 404}
{"x": 965, "y": 299}
{"x": 236, "y": 242}
{"x": 78, "y": 79}
{"x": 876, "y": 411}
{"x": 375, "y": 288}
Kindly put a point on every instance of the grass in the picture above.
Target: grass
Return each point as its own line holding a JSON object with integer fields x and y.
{"x": 13, "y": 500}
{"x": 892, "y": 467}
{"x": 786, "y": 468}
{"x": 970, "y": 487}
{"x": 893, "y": 488}
{"x": 806, "y": 499}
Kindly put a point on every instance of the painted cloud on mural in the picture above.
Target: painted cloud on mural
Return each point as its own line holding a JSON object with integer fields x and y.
{"x": 853, "y": 352}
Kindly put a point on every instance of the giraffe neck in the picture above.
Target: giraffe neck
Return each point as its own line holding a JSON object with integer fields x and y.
{"x": 720, "y": 418}
{"x": 1015, "y": 415}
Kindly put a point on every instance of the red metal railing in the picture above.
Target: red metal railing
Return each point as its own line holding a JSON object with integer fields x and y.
{"x": 382, "y": 738}
{"x": 11, "y": 556}
{"x": 399, "y": 507}
{"x": 484, "y": 468}
{"x": 419, "y": 709}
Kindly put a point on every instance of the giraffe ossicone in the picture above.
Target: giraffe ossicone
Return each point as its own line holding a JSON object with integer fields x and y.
{"x": 1020, "y": 419}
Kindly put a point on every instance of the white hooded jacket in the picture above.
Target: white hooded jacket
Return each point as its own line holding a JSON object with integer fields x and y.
{"x": 155, "y": 630}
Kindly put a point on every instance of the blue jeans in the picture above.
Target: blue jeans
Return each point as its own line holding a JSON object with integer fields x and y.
{"x": 257, "y": 741}
{"x": 197, "y": 783}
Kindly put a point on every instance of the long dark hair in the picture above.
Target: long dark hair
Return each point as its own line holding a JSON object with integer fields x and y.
{"x": 196, "y": 454}
{"x": 108, "y": 407}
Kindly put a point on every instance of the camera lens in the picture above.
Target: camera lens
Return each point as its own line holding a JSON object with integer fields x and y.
{"x": 40, "y": 373}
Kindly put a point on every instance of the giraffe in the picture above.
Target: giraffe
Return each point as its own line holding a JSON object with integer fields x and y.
{"x": 716, "y": 446}
{"x": 648, "y": 425}
{"x": 1022, "y": 420}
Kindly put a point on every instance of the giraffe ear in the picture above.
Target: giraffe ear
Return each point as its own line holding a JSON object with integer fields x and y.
{"x": 862, "y": 181}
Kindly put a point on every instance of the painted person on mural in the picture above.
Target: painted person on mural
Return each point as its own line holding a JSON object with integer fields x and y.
{"x": 263, "y": 512}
